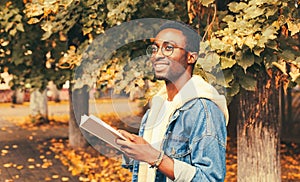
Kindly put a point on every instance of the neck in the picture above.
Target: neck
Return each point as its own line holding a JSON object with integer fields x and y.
{"x": 173, "y": 87}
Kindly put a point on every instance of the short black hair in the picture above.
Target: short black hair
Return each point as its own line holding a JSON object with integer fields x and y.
{"x": 192, "y": 37}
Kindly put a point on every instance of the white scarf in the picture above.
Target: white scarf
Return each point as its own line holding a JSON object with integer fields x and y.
{"x": 196, "y": 87}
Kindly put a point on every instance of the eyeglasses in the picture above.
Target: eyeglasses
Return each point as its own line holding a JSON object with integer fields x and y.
{"x": 167, "y": 49}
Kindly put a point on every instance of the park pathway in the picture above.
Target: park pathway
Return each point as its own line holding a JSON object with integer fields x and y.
{"x": 25, "y": 154}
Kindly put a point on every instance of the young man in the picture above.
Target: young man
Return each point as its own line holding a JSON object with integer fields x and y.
{"x": 183, "y": 136}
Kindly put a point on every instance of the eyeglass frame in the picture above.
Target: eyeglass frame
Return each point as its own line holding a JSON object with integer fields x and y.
{"x": 162, "y": 49}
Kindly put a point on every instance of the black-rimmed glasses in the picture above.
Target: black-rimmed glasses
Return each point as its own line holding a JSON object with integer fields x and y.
{"x": 167, "y": 49}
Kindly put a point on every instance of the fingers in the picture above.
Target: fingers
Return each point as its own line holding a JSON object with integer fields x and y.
{"x": 122, "y": 142}
{"x": 127, "y": 135}
{"x": 125, "y": 146}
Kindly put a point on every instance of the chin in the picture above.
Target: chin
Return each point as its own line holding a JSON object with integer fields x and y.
{"x": 160, "y": 77}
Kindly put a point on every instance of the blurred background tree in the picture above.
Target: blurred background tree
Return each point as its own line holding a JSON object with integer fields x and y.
{"x": 250, "y": 50}
{"x": 24, "y": 54}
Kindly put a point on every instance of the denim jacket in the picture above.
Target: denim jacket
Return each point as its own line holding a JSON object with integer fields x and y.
{"x": 196, "y": 135}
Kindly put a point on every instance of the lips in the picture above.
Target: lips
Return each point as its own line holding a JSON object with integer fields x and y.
{"x": 159, "y": 66}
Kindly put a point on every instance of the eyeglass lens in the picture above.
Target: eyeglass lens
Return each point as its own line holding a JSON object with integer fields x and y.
{"x": 166, "y": 49}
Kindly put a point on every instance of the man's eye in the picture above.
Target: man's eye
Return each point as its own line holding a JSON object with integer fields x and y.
{"x": 154, "y": 49}
{"x": 169, "y": 47}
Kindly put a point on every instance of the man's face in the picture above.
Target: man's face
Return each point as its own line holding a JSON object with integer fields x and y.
{"x": 170, "y": 68}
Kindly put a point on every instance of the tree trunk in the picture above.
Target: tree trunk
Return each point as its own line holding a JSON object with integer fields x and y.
{"x": 258, "y": 140}
{"x": 39, "y": 106}
{"x": 18, "y": 96}
{"x": 79, "y": 105}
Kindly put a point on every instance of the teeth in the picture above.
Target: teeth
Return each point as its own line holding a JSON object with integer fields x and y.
{"x": 160, "y": 66}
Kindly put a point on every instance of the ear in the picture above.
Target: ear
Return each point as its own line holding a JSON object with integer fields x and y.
{"x": 192, "y": 57}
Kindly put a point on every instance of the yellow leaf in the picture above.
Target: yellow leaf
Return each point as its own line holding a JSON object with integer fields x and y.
{"x": 31, "y": 166}
{"x": 20, "y": 167}
{"x": 47, "y": 179}
{"x": 64, "y": 179}
{"x": 250, "y": 41}
{"x": 293, "y": 27}
{"x": 15, "y": 146}
{"x": 33, "y": 21}
{"x": 5, "y": 43}
{"x": 281, "y": 67}
{"x": 55, "y": 176}
{"x": 30, "y": 160}
{"x": 4, "y": 151}
{"x": 294, "y": 76}
{"x": 7, "y": 165}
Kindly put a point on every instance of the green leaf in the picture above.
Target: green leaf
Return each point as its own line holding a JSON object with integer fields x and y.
{"x": 228, "y": 75}
{"x": 207, "y": 2}
{"x": 248, "y": 83}
{"x": 209, "y": 61}
{"x": 258, "y": 50}
{"x": 272, "y": 44}
{"x": 246, "y": 61}
{"x": 270, "y": 11}
{"x": 288, "y": 55}
{"x": 236, "y": 7}
{"x": 220, "y": 46}
{"x": 297, "y": 81}
{"x": 234, "y": 89}
{"x": 228, "y": 18}
{"x": 227, "y": 62}
{"x": 253, "y": 12}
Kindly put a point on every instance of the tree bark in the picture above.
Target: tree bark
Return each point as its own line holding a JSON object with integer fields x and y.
{"x": 18, "y": 96}
{"x": 258, "y": 140}
{"x": 39, "y": 106}
{"x": 79, "y": 105}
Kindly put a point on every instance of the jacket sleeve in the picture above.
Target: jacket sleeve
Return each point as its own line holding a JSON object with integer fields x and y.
{"x": 208, "y": 152}
{"x": 207, "y": 145}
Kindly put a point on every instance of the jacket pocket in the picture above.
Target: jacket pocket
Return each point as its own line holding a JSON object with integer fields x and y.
{"x": 177, "y": 146}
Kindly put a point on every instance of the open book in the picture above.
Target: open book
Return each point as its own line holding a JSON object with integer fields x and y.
{"x": 100, "y": 129}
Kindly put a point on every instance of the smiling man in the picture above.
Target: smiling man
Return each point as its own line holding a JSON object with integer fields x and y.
{"x": 183, "y": 135}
